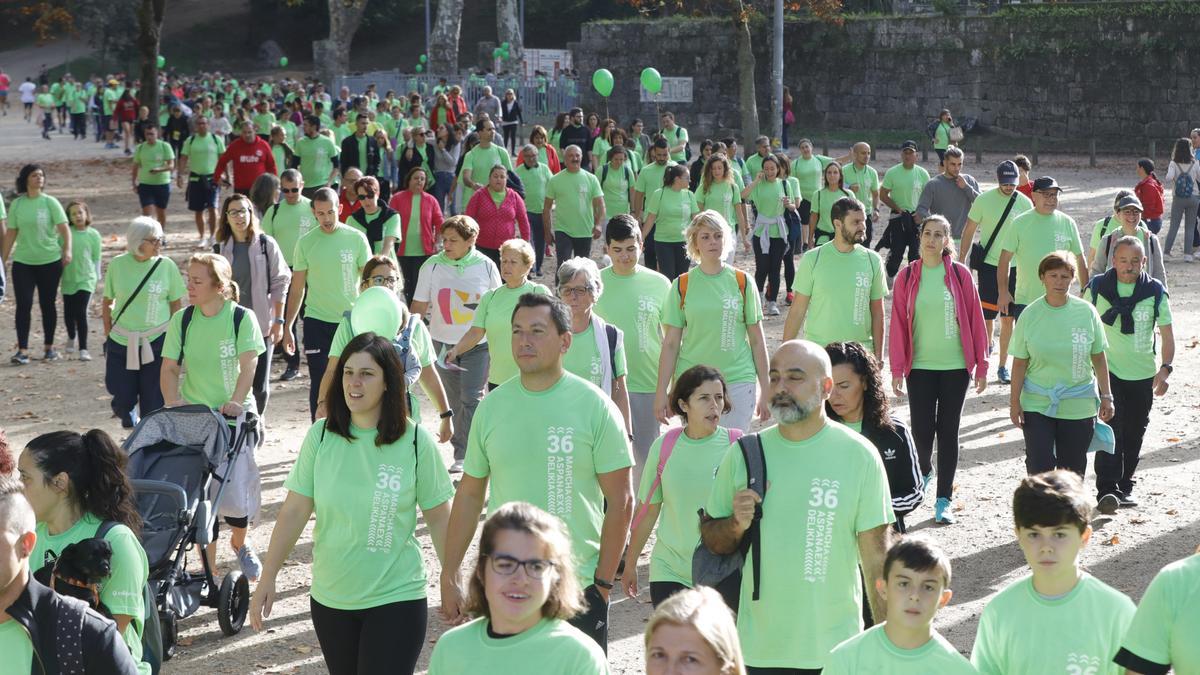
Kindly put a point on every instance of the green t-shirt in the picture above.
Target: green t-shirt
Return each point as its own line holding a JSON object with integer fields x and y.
{"x": 534, "y": 180}
{"x": 121, "y": 592}
{"x": 673, "y": 210}
{"x": 634, "y": 303}
{"x": 480, "y": 161}
{"x": 287, "y": 223}
{"x": 723, "y": 197}
{"x": 650, "y": 178}
{"x": 941, "y": 136}
{"x": 420, "y": 342}
{"x": 36, "y": 220}
{"x": 16, "y": 647}
{"x": 83, "y": 272}
{"x": 555, "y": 646}
{"x": 152, "y": 306}
{"x": 600, "y": 148}
{"x": 365, "y": 497}
{"x": 1022, "y": 631}
{"x": 583, "y": 358}
{"x": 202, "y": 153}
{"x": 873, "y": 652}
{"x": 862, "y": 182}
{"x": 413, "y": 246}
{"x": 754, "y": 165}
{"x": 341, "y": 132}
{"x": 986, "y": 210}
{"x": 937, "y": 344}
{"x": 1059, "y": 343}
{"x": 316, "y": 158}
{"x": 675, "y": 137}
{"x": 1167, "y": 621}
{"x": 155, "y": 156}
{"x": 905, "y": 185}
{"x": 1030, "y": 237}
{"x": 263, "y": 123}
{"x": 1132, "y": 357}
{"x": 78, "y": 101}
{"x": 841, "y": 288}
{"x": 56, "y": 93}
{"x": 822, "y": 493}
{"x": 210, "y": 363}
{"x": 583, "y": 436}
{"x": 809, "y": 172}
{"x": 686, "y": 482}
{"x": 822, "y": 203}
{"x": 718, "y": 317}
{"x": 45, "y": 102}
{"x": 616, "y": 186}
{"x": 109, "y": 99}
{"x": 280, "y": 156}
{"x": 332, "y": 262}
{"x": 391, "y": 227}
{"x": 573, "y": 194}
{"x": 494, "y": 316}
{"x": 1103, "y": 227}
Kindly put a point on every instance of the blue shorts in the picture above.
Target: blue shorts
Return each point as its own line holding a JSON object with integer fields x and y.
{"x": 201, "y": 193}
{"x": 154, "y": 195}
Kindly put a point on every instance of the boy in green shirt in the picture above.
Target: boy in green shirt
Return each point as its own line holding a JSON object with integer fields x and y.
{"x": 915, "y": 584}
{"x": 1059, "y": 619}
{"x": 153, "y": 162}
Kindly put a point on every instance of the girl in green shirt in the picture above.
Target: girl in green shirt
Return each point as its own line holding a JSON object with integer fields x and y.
{"x": 718, "y": 191}
{"x": 794, "y": 221}
{"x": 671, "y": 208}
{"x": 80, "y": 277}
{"x": 834, "y": 189}
{"x": 769, "y": 193}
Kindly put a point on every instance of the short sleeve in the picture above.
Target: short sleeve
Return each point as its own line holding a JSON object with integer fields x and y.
{"x": 421, "y": 344}
{"x": 610, "y": 451}
{"x": 874, "y": 496}
{"x": 1018, "y": 346}
{"x": 649, "y": 473}
{"x": 889, "y": 184}
{"x": 655, "y": 202}
{"x": 424, "y": 290}
{"x": 300, "y": 257}
{"x": 621, "y": 369}
{"x": 250, "y": 337}
{"x": 975, "y": 214}
{"x": 170, "y": 349}
{"x": 804, "y": 274}
{"x": 303, "y": 474}
{"x": 391, "y": 228}
{"x": 110, "y": 291}
{"x": 363, "y": 250}
{"x": 341, "y": 338}
{"x": 1149, "y": 635}
{"x": 730, "y": 477}
{"x": 481, "y": 312}
{"x": 433, "y": 481}
{"x": 175, "y": 287}
{"x": 752, "y": 312}
{"x": 1164, "y": 310}
{"x": 122, "y": 591}
{"x": 57, "y": 215}
{"x": 1100, "y": 342}
{"x": 672, "y": 312}
{"x": 983, "y": 655}
{"x": 476, "y": 463}
{"x": 1076, "y": 242}
{"x": 878, "y": 287}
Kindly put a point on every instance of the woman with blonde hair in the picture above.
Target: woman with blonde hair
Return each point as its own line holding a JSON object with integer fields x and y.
{"x": 522, "y": 592}
{"x": 718, "y": 190}
{"x": 694, "y": 632}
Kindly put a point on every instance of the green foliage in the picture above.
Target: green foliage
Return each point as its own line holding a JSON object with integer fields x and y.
{"x": 1165, "y": 11}
{"x": 947, "y": 7}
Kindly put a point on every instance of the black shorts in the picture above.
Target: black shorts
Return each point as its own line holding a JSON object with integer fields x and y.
{"x": 201, "y": 193}
{"x": 154, "y": 195}
{"x": 989, "y": 291}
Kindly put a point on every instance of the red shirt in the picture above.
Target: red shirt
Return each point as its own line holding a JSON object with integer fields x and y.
{"x": 250, "y": 160}
{"x": 1026, "y": 189}
{"x": 1150, "y": 191}
{"x": 126, "y": 110}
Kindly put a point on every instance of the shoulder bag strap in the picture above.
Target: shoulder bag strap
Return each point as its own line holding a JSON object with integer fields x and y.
{"x": 1000, "y": 223}
{"x": 137, "y": 290}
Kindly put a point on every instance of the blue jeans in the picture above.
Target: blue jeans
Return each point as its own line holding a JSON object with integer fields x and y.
{"x": 537, "y": 237}
{"x": 441, "y": 186}
{"x": 133, "y": 389}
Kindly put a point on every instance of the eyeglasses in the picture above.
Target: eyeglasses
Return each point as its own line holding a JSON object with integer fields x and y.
{"x": 572, "y": 291}
{"x": 380, "y": 280}
{"x": 238, "y": 212}
{"x": 506, "y": 565}
{"x": 362, "y": 195}
{"x": 155, "y": 241}
{"x": 288, "y": 191}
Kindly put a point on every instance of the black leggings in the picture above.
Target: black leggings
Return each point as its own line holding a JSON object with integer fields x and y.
{"x": 767, "y": 265}
{"x": 262, "y": 379}
{"x": 1053, "y": 443}
{"x": 935, "y": 400}
{"x": 410, "y": 269}
{"x": 384, "y": 639}
{"x": 672, "y": 258}
{"x": 75, "y": 316}
{"x": 661, "y": 590}
{"x": 44, "y": 279}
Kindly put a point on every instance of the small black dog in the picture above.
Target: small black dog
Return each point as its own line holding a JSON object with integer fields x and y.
{"x": 79, "y": 571}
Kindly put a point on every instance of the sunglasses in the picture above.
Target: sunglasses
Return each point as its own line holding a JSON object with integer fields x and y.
{"x": 288, "y": 191}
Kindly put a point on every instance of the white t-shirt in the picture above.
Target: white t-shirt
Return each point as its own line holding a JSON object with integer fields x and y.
{"x": 27, "y": 89}
{"x": 453, "y": 295}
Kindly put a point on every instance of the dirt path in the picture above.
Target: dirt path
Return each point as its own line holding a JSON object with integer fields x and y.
{"x": 1126, "y": 551}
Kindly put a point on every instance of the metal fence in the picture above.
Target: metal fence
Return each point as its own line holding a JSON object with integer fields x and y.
{"x": 541, "y": 96}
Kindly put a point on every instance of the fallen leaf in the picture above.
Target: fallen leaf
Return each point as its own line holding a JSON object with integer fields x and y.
{"x": 1172, "y": 512}
{"x": 302, "y": 649}
{"x": 1137, "y": 521}
{"x": 1173, "y": 439}
{"x": 185, "y": 641}
{"x": 1113, "y": 541}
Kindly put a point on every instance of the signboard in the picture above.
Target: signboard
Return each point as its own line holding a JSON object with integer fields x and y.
{"x": 549, "y": 61}
{"x": 674, "y": 90}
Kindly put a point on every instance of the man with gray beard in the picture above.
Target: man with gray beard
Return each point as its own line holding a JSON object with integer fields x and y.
{"x": 826, "y": 505}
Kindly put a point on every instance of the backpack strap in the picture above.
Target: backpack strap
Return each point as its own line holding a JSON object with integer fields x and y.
{"x": 603, "y": 174}
{"x": 683, "y": 284}
{"x": 610, "y": 332}
{"x": 756, "y": 479}
{"x": 664, "y": 453}
{"x": 239, "y": 313}
{"x": 742, "y": 281}
{"x": 104, "y": 529}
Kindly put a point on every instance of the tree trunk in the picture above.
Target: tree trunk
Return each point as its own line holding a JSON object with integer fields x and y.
{"x": 745, "y": 65}
{"x": 508, "y": 29}
{"x": 331, "y": 57}
{"x": 443, "y": 50}
{"x": 150, "y": 21}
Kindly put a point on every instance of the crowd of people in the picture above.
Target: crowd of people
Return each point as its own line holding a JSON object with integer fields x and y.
{"x": 395, "y": 240}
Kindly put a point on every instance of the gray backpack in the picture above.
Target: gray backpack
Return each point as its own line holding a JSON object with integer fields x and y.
{"x": 712, "y": 569}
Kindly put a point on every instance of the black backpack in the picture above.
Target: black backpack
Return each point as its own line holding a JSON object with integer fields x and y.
{"x": 713, "y": 569}
{"x": 239, "y": 313}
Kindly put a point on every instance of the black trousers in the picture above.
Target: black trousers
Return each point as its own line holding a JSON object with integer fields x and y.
{"x": 1133, "y": 400}
{"x": 493, "y": 254}
{"x": 384, "y": 639}
{"x": 510, "y": 137}
{"x": 41, "y": 278}
{"x": 672, "y": 258}
{"x": 75, "y": 316}
{"x": 935, "y": 400}
{"x": 1052, "y": 443}
{"x": 767, "y": 265}
{"x": 661, "y": 590}
{"x": 318, "y": 336}
{"x": 649, "y": 255}
{"x": 566, "y": 246}
{"x": 593, "y": 620}
{"x": 410, "y": 269}
{"x": 262, "y": 379}
{"x": 904, "y": 242}
{"x": 751, "y": 670}
{"x": 293, "y": 360}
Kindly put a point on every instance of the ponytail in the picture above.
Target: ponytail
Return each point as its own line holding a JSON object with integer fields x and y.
{"x": 95, "y": 468}
{"x": 233, "y": 292}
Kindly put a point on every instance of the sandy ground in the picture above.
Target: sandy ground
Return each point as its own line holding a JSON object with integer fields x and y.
{"x": 1126, "y": 551}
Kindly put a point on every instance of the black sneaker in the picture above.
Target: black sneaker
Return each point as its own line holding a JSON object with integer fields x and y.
{"x": 19, "y": 359}
{"x": 1127, "y": 501}
{"x": 1108, "y": 504}
{"x": 289, "y": 375}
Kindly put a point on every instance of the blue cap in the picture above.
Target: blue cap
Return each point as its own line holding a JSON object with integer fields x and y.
{"x": 1007, "y": 173}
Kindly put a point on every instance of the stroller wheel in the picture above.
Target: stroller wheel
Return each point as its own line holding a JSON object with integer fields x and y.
{"x": 170, "y": 633}
{"x": 233, "y": 603}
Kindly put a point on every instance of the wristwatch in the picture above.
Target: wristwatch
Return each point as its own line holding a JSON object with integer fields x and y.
{"x": 1169, "y": 367}
{"x": 278, "y": 321}
{"x": 600, "y": 583}
{"x": 447, "y": 415}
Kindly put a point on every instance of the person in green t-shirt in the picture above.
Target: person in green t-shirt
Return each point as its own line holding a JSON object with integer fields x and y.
{"x": 318, "y": 155}
{"x": 153, "y": 162}
{"x": 197, "y": 164}
{"x": 827, "y": 510}
{"x": 76, "y": 484}
{"x": 669, "y": 210}
{"x": 363, "y": 471}
{"x": 649, "y": 179}
{"x": 900, "y": 190}
{"x": 616, "y": 180}
{"x": 862, "y": 180}
{"x": 1134, "y": 373}
{"x": 596, "y": 354}
{"x": 38, "y": 242}
{"x": 915, "y": 584}
{"x": 573, "y": 209}
{"x": 713, "y": 316}
{"x": 941, "y": 134}
{"x": 677, "y": 137}
{"x": 718, "y": 190}
{"x": 1060, "y": 618}
{"x": 80, "y": 277}
{"x": 1160, "y": 636}
{"x": 526, "y": 552}
{"x": 1030, "y": 238}
{"x": 535, "y": 176}
{"x": 556, "y": 441}
{"x": 1058, "y": 349}
{"x": 770, "y": 194}
{"x": 693, "y": 631}
{"x": 478, "y": 163}
{"x": 843, "y": 302}
{"x": 670, "y": 493}
{"x": 821, "y": 228}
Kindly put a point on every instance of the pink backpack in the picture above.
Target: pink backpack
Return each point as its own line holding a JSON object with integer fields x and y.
{"x": 664, "y": 453}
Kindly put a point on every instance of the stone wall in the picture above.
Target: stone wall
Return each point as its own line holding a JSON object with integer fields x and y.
{"x": 1120, "y": 72}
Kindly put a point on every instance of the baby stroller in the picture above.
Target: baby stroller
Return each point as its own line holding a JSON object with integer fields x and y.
{"x": 175, "y": 454}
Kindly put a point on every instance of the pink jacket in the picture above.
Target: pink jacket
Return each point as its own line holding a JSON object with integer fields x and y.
{"x": 496, "y": 222}
{"x": 967, "y": 310}
{"x": 431, "y": 218}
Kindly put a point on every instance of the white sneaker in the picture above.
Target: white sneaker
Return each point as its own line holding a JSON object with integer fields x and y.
{"x": 457, "y": 466}
{"x": 771, "y": 309}
{"x": 84, "y": 355}
{"x": 1188, "y": 257}
{"x": 69, "y": 348}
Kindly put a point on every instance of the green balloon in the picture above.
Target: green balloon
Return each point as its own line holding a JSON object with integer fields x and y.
{"x": 420, "y": 67}
{"x": 602, "y": 81}
{"x": 497, "y": 52}
{"x": 504, "y": 46}
{"x": 506, "y": 55}
{"x": 377, "y": 310}
{"x": 651, "y": 80}
{"x": 423, "y": 58}
{"x": 283, "y": 61}
{"x": 162, "y": 60}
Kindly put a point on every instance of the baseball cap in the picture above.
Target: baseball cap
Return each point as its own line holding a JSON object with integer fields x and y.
{"x": 1046, "y": 183}
{"x": 908, "y": 145}
{"x": 1007, "y": 172}
{"x": 1129, "y": 201}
